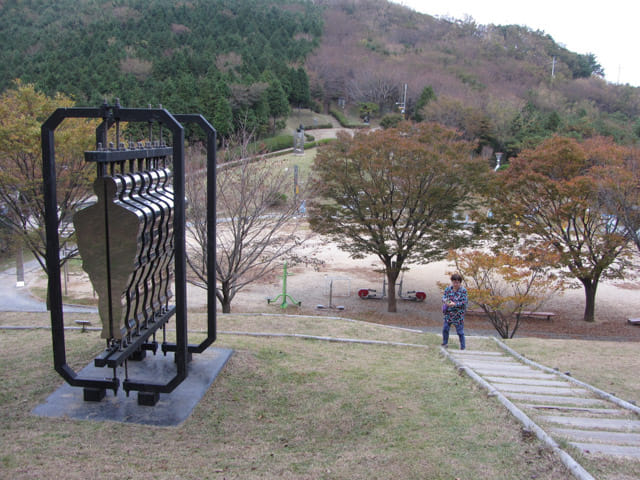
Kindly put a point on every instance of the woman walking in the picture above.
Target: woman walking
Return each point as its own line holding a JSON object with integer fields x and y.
{"x": 454, "y": 305}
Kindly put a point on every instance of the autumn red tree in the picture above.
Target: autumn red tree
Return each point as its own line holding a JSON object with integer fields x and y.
{"x": 393, "y": 193}
{"x": 619, "y": 182}
{"x": 550, "y": 196}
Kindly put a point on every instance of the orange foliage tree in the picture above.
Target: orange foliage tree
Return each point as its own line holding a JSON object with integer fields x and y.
{"x": 22, "y": 112}
{"x": 504, "y": 285}
{"x": 551, "y": 196}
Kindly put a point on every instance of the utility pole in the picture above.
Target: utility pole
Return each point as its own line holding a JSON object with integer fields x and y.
{"x": 403, "y": 105}
{"x": 19, "y": 266}
{"x": 296, "y": 188}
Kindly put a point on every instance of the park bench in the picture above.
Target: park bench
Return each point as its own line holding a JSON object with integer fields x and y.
{"x": 84, "y": 324}
{"x": 546, "y": 315}
{"x": 634, "y": 321}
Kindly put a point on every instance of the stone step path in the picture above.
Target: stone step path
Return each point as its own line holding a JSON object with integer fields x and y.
{"x": 564, "y": 410}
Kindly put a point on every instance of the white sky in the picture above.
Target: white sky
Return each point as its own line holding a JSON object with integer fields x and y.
{"x": 609, "y": 29}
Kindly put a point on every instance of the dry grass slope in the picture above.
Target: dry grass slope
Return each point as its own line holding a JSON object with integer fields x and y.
{"x": 282, "y": 408}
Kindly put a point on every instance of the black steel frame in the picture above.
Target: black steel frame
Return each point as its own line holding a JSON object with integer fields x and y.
{"x": 211, "y": 226}
{"x": 182, "y": 350}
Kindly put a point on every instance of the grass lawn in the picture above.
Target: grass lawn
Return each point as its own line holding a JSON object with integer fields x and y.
{"x": 307, "y": 118}
{"x": 610, "y": 366}
{"x": 281, "y": 408}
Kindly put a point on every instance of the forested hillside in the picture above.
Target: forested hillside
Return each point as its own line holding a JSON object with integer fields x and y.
{"x": 506, "y": 86}
{"x": 234, "y": 61}
{"x": 245, "y": 63}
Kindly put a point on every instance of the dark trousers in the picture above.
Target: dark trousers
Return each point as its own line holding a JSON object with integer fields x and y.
{"x": 459, "y": 330}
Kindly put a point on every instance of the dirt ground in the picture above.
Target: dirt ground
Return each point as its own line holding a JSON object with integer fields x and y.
{"x": 337, "y": 282}
{"x": 321, "y": 290}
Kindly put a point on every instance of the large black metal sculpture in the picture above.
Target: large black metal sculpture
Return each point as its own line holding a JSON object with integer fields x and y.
{"x": 132, "y": 242}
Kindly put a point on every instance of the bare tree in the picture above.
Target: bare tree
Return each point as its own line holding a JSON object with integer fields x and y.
{"x": 328, "y": 73}
{"x": 259, "y": 222}
{"x": 371, "y": 85}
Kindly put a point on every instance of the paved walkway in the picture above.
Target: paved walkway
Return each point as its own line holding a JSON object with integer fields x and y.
{"x": 564, "y": 409}
{"x": 18, "y": 299}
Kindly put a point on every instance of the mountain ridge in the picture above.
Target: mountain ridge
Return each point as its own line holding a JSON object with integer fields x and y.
{"x": 222, "y": 58}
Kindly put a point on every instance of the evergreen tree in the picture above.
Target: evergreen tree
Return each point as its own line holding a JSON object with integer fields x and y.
{"x": 222, "y": 115}
{"x": 300, "y": 93}
{"x": 277, "y": 102}
{"x": 425, "y": 97}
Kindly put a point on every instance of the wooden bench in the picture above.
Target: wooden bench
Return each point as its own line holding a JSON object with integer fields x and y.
{"x": 546, "y": 315}
{"x": 84, "y": 324}
{"x": 634, "y": 321}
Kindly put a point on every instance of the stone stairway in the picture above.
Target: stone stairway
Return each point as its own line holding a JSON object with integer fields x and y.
{"x": 564, "y": 410}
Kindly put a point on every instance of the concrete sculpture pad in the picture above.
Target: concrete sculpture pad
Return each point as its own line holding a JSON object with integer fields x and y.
{"x": 171, "y": 410}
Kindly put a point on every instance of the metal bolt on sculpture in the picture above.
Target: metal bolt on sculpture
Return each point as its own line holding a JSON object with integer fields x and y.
{"x": 132, "y": 242}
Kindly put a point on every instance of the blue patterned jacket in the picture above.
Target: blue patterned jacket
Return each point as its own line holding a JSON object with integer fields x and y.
{"x": 455, "y": 315}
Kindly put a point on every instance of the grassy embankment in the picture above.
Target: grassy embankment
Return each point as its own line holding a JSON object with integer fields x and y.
{"x": 282, "y": 408}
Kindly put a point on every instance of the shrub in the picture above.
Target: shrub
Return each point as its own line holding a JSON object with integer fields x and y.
{"x": 391, "y": 120}
{"x": 344, "y": 121}
{"x": 321, "y": 125}
{"x": 279, "y": 142}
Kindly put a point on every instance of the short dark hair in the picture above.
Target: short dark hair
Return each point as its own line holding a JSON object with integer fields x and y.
{"x": 456, "y": 277}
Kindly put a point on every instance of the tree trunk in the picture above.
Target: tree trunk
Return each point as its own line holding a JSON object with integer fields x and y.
{"x": 224, "y": 297}
{"x": 392, "y": 303}
{"x": 590, "y": 287}
{"x": 515, "y": 327}
{"x": 497, "y": 320}
{"x": 226, "y": 306}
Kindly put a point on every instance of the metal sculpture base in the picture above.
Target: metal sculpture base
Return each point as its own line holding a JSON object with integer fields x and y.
{"x": 170, "y": 410}
{"x": 94, "y": 394}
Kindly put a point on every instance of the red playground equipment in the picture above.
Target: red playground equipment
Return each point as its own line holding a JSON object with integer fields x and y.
{"x": 411, "y": 295}
{"x": 372, "y": 293}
